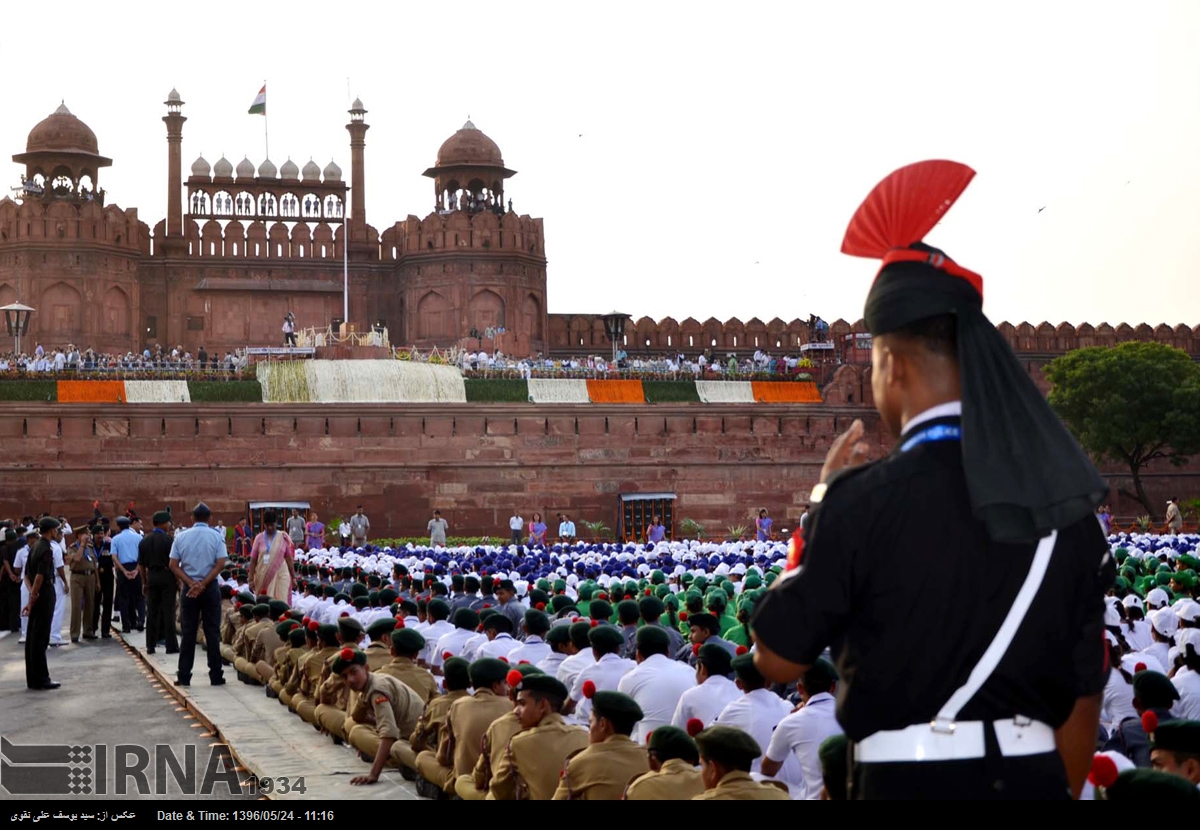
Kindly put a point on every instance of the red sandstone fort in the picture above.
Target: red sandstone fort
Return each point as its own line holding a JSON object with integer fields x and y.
{"x": 245, "y": 243}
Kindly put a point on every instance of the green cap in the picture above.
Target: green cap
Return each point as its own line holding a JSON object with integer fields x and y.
{"x": 407, "y": 640}
{"x": 670, "y": 742}
{"x": 487, "y": 671}
{"x": 542, "y": 684}
{"x": 456, "y": 673}
{"x": 608, "y": 638}
{"x": 728, "y": 746}
{"x": 1148, "y": 786}
{"x": 348, "y": 657}
{"x": 1154, "y": 690}
{"x": 381, "y": 627}
{"x": 620, "y": 709}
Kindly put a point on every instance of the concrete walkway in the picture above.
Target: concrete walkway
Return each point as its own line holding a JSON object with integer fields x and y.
{"x": 267, "y": 738}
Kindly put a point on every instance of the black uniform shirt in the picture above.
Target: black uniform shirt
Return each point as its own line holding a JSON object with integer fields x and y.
{"x": 905, "y": 586}
{"x": 154, "y": 552}
{"x": 41, "y": 561}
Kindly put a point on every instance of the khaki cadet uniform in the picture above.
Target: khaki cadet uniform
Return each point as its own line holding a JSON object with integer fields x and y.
{"x": 290, "y": 677}
{"x": 386, "y": 708}
{"x": 378, "y": 655}
{"x": 416, "y": 678}
{"x": 262, "y": 654}
{"x": 530, "y": 768}
{"x": 428, "y": 731}
{"x": 333, "y": 701}
{"x": 305, "y": 700}
{"x": 474, "y": 785}
{"x": 230, "y": 634}
{"x": 677, "y": 780}
{"x": 278, "y": 658}
{"x": 600, "y": 772}
{"x": 244, "y": 644}
{"x": 459, "y": 744}
{"x": 739, "y": 786}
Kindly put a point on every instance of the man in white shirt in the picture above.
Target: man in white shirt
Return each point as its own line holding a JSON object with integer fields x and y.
{"x": 61, "y": 591}
{"x": 605, "y": 673}
{"x": 465, "y": 622}
{"x": 570, "y": 668}
{"x": 1187, "y": 678}
{"x": 515, "y": 526}
{"x": 498, "y": 629}
{"x": 801, "y": 733}
{"x": 714, "y": 691}
{"x": 657, "y": 683}
{"x": 757, "y": 712}
{"x": 566, "y": 529}
{"x": 438, "y": 612}
{"x": 533, "y": 649}
{"x": 19, "y": 562}
{"x": 558, "y": 638}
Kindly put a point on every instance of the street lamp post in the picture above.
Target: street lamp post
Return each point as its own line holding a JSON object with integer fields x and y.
{"x": 614, "y": 328}
{"x": 16, "y": 319}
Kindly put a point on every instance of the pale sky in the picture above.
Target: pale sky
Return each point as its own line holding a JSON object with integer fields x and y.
{"x": 689, "y": 158}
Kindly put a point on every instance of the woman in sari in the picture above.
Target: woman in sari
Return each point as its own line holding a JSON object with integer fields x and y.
{"x": 537, "y": 531}
{"x": 315, "y": 532}
{"x": 271, "y": 561}
{"x": 241, "y": 537}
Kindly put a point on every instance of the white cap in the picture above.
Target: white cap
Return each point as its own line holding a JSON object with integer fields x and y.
{"x": 1187, "y": 609}
{"x": 1111, "y": 615}
{"x": 1130, "y": 662}
{"x": 1132, "y": 601}
{"x": 1158, "y": 598}
{"x": 1164, "y": 622}
{"x": 1188, "y": 636}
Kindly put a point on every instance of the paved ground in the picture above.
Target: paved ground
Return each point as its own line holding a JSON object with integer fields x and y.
{"x": 106, "y": 698}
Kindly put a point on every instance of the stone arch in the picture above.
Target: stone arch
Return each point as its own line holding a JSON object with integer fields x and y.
{"x": 580, "y": 332}
{"x": 531, "y": 316}
{"x": 116, "y": 309}
{"x": 302, "y": 240}
{"x": 60, "y": 311}
{"x": 222, "y": 203}
{"x": 281, "y": 243}
{"x": 235, "y": 239}
{"x": 486, "y": 310}
{"x": 433, "y": 317}
{"x": 323, "y": 245}
{"x": 256, "y": 240}
{"x": 1045, "y": 337}
{"x": 211, "y": 242}
{"x": 8, "y": 294}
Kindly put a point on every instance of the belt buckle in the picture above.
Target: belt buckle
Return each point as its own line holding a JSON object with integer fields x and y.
{"x": 1020, "y": 721}
{"x": 942, "y": 726}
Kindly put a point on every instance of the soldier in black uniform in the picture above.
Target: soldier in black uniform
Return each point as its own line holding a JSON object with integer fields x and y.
{"x": 40, "y": 610}
{"x": 10, "y": 583}
{"x": 102, "y": 539}
{"x": 959, "y": 581}
{"x": 158, "y": 584}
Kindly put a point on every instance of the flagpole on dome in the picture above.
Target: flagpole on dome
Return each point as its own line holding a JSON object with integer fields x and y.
{"x": 266, "y": 138}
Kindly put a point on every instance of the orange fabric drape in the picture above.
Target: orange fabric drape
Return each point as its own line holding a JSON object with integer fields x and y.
{"x": 785, "y": 391}
{"x": 616, "y": 391}
{"x": 91, "y": 391}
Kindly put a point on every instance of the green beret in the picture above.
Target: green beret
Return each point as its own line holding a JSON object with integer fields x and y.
{"x": 526, "y": 669}
{"x": 327, "y": 634}
{"x": 1154, "y": 690}
{"x": 438, "y": 608}
{"x": 770, "y": 576}
{"x": 657, "y": 578}
{"x": 487, "y": 671}
{"x": 342, "y": 596}
{"x": 560, "y": 585}
{"x": 600, "y": 610}
{"x": 407, "y": 640}
{"x": 360, "y": 603}
{"x": 653, "y": 638}
{"x": 538, "y": 596}
{"x": 358, "y": 590}
{"x": 245, "y": 598}
{"x": 558, "y": 635}
{"x": 161, "y": 517}
{"x": 716, "y": 659}
{"x": 278, "y": 607}
{"x": 651, "y": 607}
{"x": 825, "y": 673}
{"x": 1177, "y": 735}
{"x": 409, "y": 607}
{"x": 744, "y": 666}
{"x": 1148, "y": 786}
{"x": 606, "y": 637}
{"x": 465, "y": 618}
{"x": 296, "y": 637}
{"x": 535, "y": 619}
{"x": 586, "y": 590}
{"x": 541, "y": 683}
{"x": 457, "y": 581}
{"x": 671, "y": 742}
{"x": 263, "y": 599}
{"x": 349, "y": 627}
{"x": 832, "y": 755}
{"x": 728, "y": 746}
{"x": 387, "y": 596}
{"x": 561, "y": 602}
{"x": 282, "y": 628}
{"x": 381, "y": 627}
{"x": 348, "y": 657}
{"x": 456, "y": 674}
{"x": 580, "y": 634}
{"x": 620, "y": 709}
{"x": 246, "y": 611}
{"x": 751, "y": 582}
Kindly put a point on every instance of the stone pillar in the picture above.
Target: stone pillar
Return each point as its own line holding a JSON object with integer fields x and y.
{"x": 174, "y": 120}
{"x": 358, "y": 177}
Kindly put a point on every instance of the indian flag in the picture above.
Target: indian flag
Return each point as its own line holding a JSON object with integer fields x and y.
{"x": 259, "y": 107}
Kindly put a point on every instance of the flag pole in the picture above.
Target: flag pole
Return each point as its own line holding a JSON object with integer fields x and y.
{"x": 345, "y": 270}
{"x": 266, "y": 138}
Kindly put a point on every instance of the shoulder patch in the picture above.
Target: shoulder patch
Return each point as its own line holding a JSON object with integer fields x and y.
{"x": 381, "y": 699}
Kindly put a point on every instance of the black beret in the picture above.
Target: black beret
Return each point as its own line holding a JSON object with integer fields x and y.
{"x": 465, "y": 618}
{"x": 670, "y": 742}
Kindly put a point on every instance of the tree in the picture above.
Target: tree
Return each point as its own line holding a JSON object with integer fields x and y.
{"x": 1132, "y": 404}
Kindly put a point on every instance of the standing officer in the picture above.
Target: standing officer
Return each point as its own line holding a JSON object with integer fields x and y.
{"x": 158, "y": 584}
{"x": 39, "y": 570}
{"x": 10, "y": 583}
{"x": 196, "y": 560}
{"x": 102, "y": 615}
{"x": 131, "y": 605}
{"x": 951, "y": 644}
{"x": 85, "y": 565}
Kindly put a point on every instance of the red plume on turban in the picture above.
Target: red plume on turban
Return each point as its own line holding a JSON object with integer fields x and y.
{"x": 347, "y": 654}
{"x": 589, "y": 689}
{"x": 902, "y": 209}
{"x": 513, "y": 678}
{"x": 695, "y": 726}
{"x": 1149, "y": 723}
{"x": 1103, "y": 772}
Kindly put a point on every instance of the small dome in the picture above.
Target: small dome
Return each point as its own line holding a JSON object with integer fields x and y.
{"x": 200, "y": 167}
{"x": 357, "y": 106}
{"x": 173, "y": 97}
{"x": 289, "y": 171}
{"x": 62, "y": 131}
{"x": 245, "y": 169}
{"x": 469, "y": 146}
{"x": 267, "y": 170}
{"x": 223, "y": 169}
{"x": 311, "y": 171}
{"x": 333, "y": 173}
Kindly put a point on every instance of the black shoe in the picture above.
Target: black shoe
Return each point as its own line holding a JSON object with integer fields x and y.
{"x": 337, "y": 741}
{"x": 182, "y": 682}
{"x": 405, "y": 773}
{"x": 104, "y": 637}
{"x": 126, "y": 630}
{"x": 149, "y": 651}
{"x": 49, "y": 684}
{"x": 75, "y": 640}
{"x": 220, "y": 681}
{"x": 141, "y": 628}
{"x": 89, "y": 636}
{"x": 172, "y": 651}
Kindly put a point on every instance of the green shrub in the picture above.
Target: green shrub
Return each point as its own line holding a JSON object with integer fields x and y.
{"x": 451, "y": 541}
{"x": 670, "y": 391}
{"x": 215, "y": 391}
{"x": 29, "y": 390}
{"x": 496, "y": 391}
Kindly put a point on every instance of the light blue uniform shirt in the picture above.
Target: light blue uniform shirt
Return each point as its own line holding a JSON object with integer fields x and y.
{"x": 197, "y": 549}
{"x": 125, "y": 547}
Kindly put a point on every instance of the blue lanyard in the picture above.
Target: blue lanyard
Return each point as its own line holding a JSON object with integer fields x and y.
{"x": 941, "y": 432}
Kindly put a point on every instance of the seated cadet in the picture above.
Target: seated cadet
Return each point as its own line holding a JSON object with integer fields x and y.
{"x": 285, "y": 665}
{"x": 833, "y": 768}
{"x": 466, "y": 722}
{"x": 451, "y": 645}
{"x": 583, "y": 657}
{"x": 498, "y": 629}
{"x": 267, "y": 647}
{"x": 427, "y": 733}
{"x": 474, "y": 787}
{"x": 244, "y": 644}
{"x": 379, "y": 652}
{"x": 438, "y": 613}
{"x": 604, "y": 675}
{"x": 291, "y": 681}
{"x": 1175, "y": 748}
{"x": 757, "y": 712}
{"x": 530, "y": 768}
{"x": 652, "y": 609}
{"x": 558, "y": 638}
{"x": 231, "y": 621}
{"x": 244, "y": 617}
{"x": 228, "y": 612}
{"x": 726, "y": 755}
{"x": 333, "y": 695}
{"x": 657, "y": 683}
{"x": 406, "y": 645}
{"x": 533, "y": 649}
{"x": 673, "y": 775}
{"x": 312, "y": 668}
{"x": 714, "y": 691}
{"x": 386, "y": 711}
{"x": 611, "y": 760}
{"x": 629, "y": 616}
{"x": 704, "y": 628}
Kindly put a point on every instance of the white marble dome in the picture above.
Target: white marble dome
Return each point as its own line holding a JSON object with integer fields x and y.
{"x": 311, "y": 171}
{"x": 223, "y": 169}
{"x": 200, "y": 167}
{"x": 267, "y": 169}
{"x": 290, "y": 170}
{"x": 245, "y": 169}
{"x": 333, "y": 173}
